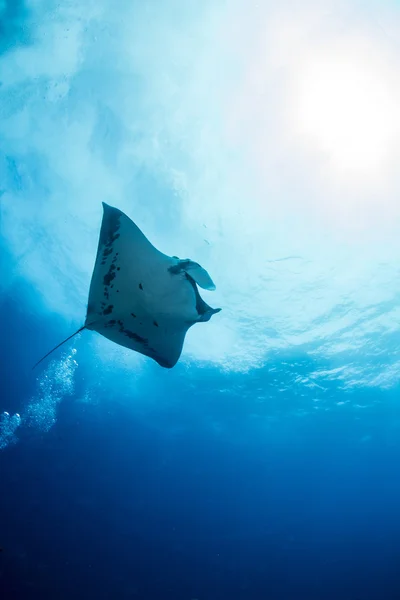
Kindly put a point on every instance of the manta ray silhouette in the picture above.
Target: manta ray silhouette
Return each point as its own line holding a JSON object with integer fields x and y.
{"x": 139, "y": 297}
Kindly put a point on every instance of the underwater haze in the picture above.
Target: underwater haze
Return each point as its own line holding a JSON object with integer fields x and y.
{"x": 261, "y": 140}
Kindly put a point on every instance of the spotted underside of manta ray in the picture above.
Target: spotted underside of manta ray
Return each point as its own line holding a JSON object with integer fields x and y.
{"x": 141, "y": 298}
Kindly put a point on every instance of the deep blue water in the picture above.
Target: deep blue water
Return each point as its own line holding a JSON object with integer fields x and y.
{"x": 107, "y": 505}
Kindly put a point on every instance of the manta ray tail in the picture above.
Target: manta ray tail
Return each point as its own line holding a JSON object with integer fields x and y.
{"x": 58, "y": 345}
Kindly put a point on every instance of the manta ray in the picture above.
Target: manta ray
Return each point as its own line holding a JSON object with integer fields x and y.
{"x": 139, "y": 297}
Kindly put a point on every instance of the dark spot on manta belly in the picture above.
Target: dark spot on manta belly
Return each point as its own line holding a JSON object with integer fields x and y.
{"x": 108, "y": 310}
{"x": 106, "y": 252}
{"x": 107, "y": 279}
{"x": 140, "y": 286}
{"x": 155, "y": 323}
{"x": 132, "y": 335}
{"x": 133, "y": 315}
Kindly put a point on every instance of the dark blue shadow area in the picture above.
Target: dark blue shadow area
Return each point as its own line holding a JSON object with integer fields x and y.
{"x": 103, "y": 507}
{"x": 109, "y": 506}
{"x": 14, "y": 24}
{"x": 25, "y": 336}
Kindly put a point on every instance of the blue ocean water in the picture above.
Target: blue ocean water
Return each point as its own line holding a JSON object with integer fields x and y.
{"x": 265, "y": 465}
{"x": 204, "y": 496}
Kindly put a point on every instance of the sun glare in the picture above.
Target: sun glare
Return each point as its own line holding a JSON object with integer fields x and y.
{"x": 346, "y": 104}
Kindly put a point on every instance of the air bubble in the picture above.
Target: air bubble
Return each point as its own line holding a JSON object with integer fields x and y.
{"x": 8, "y": 427}
{"x": 56, "y": 383}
